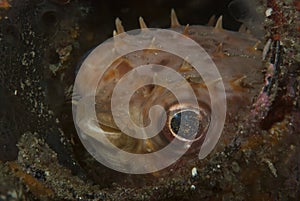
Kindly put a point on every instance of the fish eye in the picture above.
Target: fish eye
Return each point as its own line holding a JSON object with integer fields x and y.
{"x": 187, "y": 123}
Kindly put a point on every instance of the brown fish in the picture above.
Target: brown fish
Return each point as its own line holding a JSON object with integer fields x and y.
{"x": 236, "y": 55}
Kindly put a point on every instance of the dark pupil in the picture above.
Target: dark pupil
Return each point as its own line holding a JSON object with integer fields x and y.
{"x": 185, "y": 124}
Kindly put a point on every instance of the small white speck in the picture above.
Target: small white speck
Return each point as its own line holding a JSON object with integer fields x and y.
{"x": 268, "y": 12}
{"x": 194, "y": 172}
{"x": 193, "y": 187}
{"x": 16, "y": 92}
{"x": 218, "y": 166}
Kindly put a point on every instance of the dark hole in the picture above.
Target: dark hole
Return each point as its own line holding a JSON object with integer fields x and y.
{"x": 239, "y": 9}
{"x": 49, "y": 18}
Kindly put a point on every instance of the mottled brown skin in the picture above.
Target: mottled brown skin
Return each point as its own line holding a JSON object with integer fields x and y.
{"x": 236, "y": 55}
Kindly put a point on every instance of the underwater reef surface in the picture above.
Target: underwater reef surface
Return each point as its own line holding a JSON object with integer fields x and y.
{"x": 42, "y": 42}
